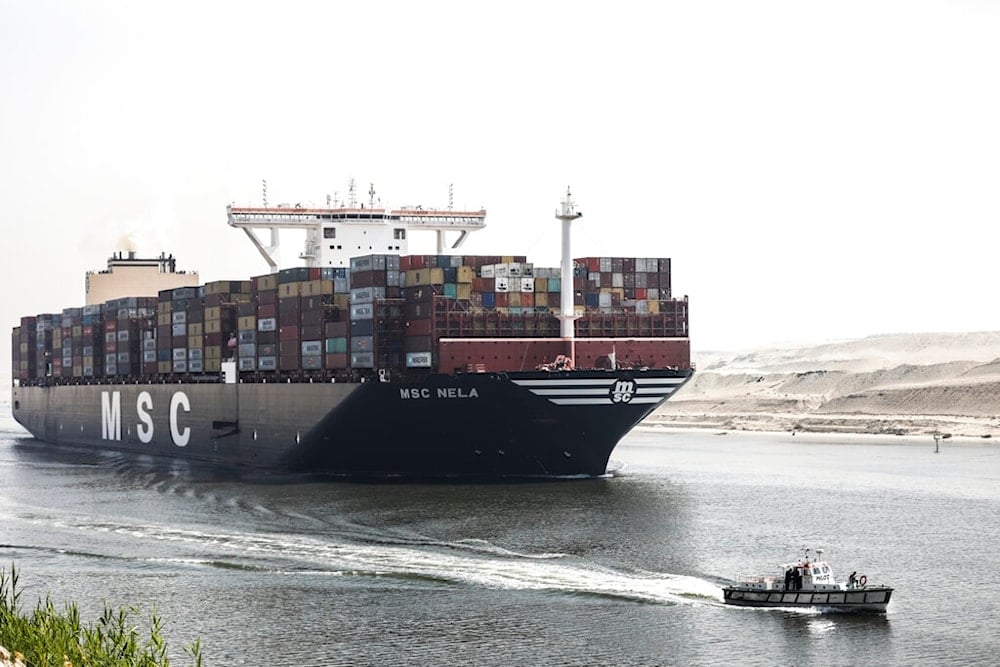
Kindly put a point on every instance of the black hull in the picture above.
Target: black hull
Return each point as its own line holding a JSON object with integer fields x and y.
{"x": 872, "y": 600}
{"x": 489, "y": 425}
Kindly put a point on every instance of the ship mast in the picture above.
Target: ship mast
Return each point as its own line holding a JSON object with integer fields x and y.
{"x": 567, "y": 312}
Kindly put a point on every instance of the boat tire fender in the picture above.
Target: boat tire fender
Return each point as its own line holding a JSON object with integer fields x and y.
{"x": 863, "y": 580}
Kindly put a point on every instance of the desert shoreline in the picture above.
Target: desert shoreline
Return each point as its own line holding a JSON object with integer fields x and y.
{"x": 896, "y": 384}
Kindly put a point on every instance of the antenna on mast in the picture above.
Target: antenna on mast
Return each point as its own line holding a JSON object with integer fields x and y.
{"x": 352, "y": 193}
{"x": 264, "y": 186}
{"x": 451, "y": 196}
{"x": 371, "y": 195}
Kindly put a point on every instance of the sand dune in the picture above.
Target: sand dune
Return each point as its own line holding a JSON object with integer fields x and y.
{"x": 901, "y": 383}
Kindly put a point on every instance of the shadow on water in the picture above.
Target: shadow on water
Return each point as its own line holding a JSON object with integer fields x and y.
{"x": 37, "y": 453}
{"x": 798, "y": 625}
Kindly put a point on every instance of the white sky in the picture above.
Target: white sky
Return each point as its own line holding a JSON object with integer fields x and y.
{"x": 816, "y": 170}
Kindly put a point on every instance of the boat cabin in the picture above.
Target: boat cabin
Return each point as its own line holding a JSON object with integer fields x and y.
{"x": 803, "y": 575}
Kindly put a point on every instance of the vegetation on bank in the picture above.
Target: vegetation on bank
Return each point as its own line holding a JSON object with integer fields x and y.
{"x": 47, "y": 637}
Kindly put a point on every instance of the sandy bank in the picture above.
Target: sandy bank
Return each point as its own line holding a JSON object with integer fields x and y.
{"x": 900, "y": 384}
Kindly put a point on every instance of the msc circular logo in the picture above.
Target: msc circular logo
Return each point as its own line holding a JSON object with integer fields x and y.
{"x": 622, "y": 391}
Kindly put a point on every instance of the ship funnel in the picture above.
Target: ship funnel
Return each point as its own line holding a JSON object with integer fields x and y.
{"x": 567, "y": 313}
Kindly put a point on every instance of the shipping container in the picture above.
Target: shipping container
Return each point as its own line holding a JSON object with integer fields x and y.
{"x": 336, "y": 361}
{"x": 362, "y": 360}
{"x": 335, "y": 345}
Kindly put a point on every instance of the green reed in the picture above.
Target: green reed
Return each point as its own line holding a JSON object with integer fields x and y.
{"x": 51, "y": 638}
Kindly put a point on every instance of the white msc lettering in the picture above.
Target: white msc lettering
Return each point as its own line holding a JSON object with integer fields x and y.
{"x": 442, "y": 392}
{"x": 143, "y": 404}
{"x": 415, "y": 393}
{"x": 457, "y": 392}
{"x": 111, "y": 415}
{"x": 179, "y": 400}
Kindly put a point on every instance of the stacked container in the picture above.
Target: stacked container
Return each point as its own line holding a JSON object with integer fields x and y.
{"x": 127, "y": 322}
{"x": 374, "y": 279}
{"x": 384, "y": 312}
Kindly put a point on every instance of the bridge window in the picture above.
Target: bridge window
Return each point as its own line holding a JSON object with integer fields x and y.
{"x": 399, "y": 234}
{"x": 329, "y": 232}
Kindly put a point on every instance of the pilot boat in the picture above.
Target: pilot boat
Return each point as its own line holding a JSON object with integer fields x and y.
{"x": 809, "y": 583}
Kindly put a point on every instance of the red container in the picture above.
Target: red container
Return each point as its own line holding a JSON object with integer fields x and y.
{"x": 290, "y": 332}
{"x": 311, "y": 317}
{"x": 484, "y": 285}
{"x": 416, "y": 311}
{"x": 290, "y": 304}
{"x": 266, "y": 311}
{"x": 495, "y": 354}
{"x": 311, "y": 331}
{"x": 419, "y": 327}
{"x": 416, "y": 262}
{"x": 336, "y": 360}
{"x": 417, "y": 343}
{"x": 335, "y": 329}
{"x": 369, "y": 279}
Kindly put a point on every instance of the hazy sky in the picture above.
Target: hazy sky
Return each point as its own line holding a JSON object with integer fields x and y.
{"x": 816, "y": 170}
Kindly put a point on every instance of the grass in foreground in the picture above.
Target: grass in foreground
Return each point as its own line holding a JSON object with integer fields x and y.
{"x": 50, "y": 638}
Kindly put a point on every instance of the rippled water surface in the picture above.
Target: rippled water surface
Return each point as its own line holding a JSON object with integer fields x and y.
{"x": 619, "y": 571}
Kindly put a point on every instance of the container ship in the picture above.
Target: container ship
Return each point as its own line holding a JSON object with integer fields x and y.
{"x": 366, "y": 362}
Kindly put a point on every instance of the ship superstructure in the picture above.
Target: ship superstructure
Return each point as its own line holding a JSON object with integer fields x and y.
{"x": 335, "y": 234}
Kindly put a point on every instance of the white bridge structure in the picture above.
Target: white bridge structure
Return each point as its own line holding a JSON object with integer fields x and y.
{"x": 334, "y": 235}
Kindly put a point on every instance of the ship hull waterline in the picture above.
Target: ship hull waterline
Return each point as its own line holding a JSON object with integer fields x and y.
{"x": 872, "y": 600}
{"x": 476, "y": 425}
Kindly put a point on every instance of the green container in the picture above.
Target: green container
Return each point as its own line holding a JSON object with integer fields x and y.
{"x": 336, "y": 345}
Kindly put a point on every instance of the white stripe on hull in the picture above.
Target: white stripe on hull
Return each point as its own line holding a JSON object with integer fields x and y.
{"x": 604, "y": 400}
{"x": 607, "y": 391}
{"x": 642, "y": 382}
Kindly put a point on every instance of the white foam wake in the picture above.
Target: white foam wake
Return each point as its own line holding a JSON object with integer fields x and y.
{"x": 467, "y": 562}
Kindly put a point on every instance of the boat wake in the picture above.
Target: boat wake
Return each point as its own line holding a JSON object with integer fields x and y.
{"x": 467, "y": 562}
